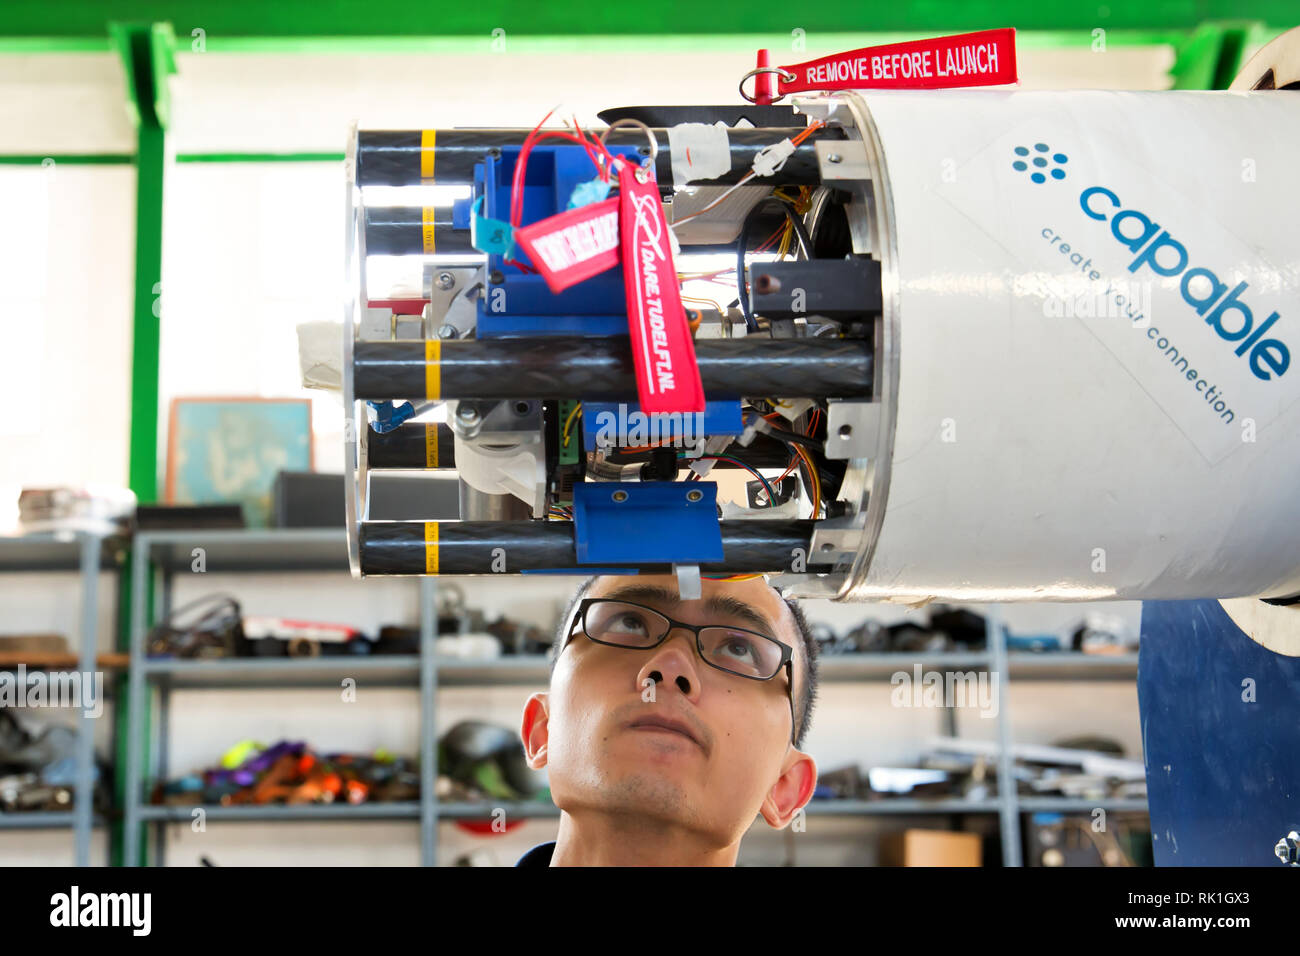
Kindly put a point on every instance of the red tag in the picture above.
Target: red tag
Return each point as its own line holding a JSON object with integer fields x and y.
{"x": 573, "y": 245}
{"x": 985, "y": 58}
{"x": 667, "y": 376}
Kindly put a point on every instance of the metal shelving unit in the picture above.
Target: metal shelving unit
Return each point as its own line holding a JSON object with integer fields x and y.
{"x": 84, "y": 553}
{"x": 378, "y": 671}
{"x": 311, "y": 811}
{"x": 161, "y": 555}
{"x": 158, "y": 557}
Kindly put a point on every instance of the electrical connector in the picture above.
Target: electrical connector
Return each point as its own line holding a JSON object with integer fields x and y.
{"x": 771, "y": 158}
{"x": 751, "y": 429}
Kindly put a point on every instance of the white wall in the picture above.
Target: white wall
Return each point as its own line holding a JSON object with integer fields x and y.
{"x": 66, "y": 273}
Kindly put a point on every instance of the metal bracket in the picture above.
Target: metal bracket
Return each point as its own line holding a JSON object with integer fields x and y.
{"x": 452, "y": 310}
{"x": 842, "y": 159}
{"x": 828, "y": 109}
{"x": 835, "y": 541}
{"x": 852, "y": 428}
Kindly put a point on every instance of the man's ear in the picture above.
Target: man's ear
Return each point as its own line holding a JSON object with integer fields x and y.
{"x": 534, "y": 731}
{"x": 792, "y": 790}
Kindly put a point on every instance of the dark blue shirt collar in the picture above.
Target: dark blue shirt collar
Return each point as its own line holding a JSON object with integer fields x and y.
{"x": 539, "y": 855}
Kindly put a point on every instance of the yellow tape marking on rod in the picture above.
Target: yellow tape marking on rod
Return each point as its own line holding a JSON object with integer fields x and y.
{"x": 430, "y": 444}
{"x": 428, "y": 149}
{"x": 427, "y": 229}
{"x": 431, "y": 547}
{"x": 433, "y": 369}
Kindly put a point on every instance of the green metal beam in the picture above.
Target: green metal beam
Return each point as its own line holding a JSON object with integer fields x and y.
{"x": 365, "y": 18}
{"x": 45, "y": 44}
{"x": 136, "y": 46}
{"x": 1205, "y": 56}
{"x": 146, "y": 66}
{"x": 260, "y": 157}
{"x": 559, "y": 45}
{"x": 67, "y": 159}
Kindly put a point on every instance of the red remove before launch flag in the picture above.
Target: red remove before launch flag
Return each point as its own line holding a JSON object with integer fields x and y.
{"x": 667, "y": 375}
{"x": 984, "y": 58}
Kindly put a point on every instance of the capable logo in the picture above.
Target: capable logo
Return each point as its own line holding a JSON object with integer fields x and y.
{"x": 1154, "y": 248}
{"x": 1037, "y": 161}
{"x": 1224, "y": 309}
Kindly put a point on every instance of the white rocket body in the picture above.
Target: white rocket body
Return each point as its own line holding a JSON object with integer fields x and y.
{"x": 1097, "y": 321}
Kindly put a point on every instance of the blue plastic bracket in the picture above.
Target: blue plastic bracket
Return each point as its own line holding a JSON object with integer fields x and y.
{"x": 647, "y": 522}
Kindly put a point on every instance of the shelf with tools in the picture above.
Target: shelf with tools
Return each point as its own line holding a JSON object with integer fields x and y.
{"x": 160, "y": 556}
{"x": 86, "y": 553}
{"x": 521, "y": 669}
{"x": 378, "y": 671}
{"x": 45, "y": 820}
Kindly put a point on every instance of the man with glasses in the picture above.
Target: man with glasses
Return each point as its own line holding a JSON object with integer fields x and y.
{"x": 669, "y": 725}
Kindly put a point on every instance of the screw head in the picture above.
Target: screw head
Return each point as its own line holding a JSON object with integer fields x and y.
{"x": 619, "y": 496}
{"x": 446, "y": 280}
{"x": 833, "y": 158}
{"x": 694, "y": 494}
{"x": 467, "y": 413}
{"x": 497, "y": 277}
{"x": 447, "y": 332}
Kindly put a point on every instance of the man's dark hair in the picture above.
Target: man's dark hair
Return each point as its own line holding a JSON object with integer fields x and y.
{"x": 804, "y": 700}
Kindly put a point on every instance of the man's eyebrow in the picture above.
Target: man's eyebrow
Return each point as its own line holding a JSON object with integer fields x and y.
{"x": 723, "y": 604}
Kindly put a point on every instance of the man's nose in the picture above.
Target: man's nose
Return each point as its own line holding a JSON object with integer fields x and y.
{"x": 674, "y": 661}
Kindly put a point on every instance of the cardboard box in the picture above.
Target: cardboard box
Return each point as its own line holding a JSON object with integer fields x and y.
{"x": 930, "y": 848}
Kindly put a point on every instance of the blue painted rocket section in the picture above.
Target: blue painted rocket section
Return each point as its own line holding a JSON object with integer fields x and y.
{"x": 1221, "y": 737}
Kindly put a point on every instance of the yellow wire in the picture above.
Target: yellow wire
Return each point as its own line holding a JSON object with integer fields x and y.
{"x": 708, "y": 302}
{"x": 786, "y": 236}
{"x": 568, "y": 422}
{"x": 816, "y": 481}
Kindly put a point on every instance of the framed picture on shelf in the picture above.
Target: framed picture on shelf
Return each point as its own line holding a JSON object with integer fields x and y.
{"x": 224, "y": 450}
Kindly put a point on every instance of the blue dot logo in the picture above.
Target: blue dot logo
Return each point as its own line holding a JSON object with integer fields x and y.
{"x": 1037, "y": 160}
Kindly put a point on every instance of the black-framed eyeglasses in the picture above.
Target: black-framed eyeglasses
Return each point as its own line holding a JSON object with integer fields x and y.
{"x": 734, "y": 650}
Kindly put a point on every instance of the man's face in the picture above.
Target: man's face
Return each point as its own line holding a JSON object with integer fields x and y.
{"x": 738, "y": 760}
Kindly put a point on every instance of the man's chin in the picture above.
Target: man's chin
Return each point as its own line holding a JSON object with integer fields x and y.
{"x": 653, "y": 793}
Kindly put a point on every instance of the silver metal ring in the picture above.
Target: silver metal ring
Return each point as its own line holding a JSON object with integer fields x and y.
{"x": 785, "y": 75}
{"x": 628, "y": 121}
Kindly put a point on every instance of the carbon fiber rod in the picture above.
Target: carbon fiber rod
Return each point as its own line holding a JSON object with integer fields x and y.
{"x": 600, "y": 368}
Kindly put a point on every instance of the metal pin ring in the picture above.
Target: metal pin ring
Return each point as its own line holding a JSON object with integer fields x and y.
{"x": 785, "y": 75}
{"x": 628, "y": 121}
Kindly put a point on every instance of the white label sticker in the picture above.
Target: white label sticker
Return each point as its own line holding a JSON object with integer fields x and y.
{"x": 1193, "y": 312}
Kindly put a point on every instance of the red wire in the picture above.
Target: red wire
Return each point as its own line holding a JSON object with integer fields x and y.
{"x": 590, "y": 147}
{"x": 517, "y": 179}
{"x": 521, "y": 164}
{"x": 590, "y": 144}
